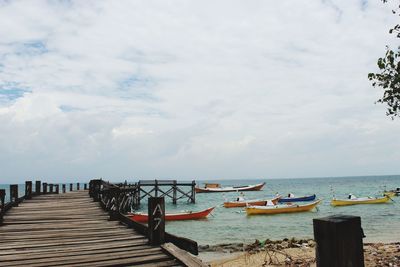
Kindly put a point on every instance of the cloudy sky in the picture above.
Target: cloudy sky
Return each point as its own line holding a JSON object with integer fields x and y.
{"x": 193, "y": 89}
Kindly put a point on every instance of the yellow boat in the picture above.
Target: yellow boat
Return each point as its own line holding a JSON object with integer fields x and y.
{"x": 283, "y": 208}
{"x": 362, "y": 200}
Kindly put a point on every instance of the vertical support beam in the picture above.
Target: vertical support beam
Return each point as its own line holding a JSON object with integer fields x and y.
{"x": 28, "y": 189}
{"x": 85, "y": 186}
{"x": 94, "y": 191}
{"x": 57, "y": 188}
{"x": 2, "y": 203}
{"x": 138, "y": 194}
{"x": 71, "y": 187}
{"x": 51, "y": 186}
{"x": 38, "y": 186}
{"x": 174, "y": 192}
{"x": 64, "y": 189}
{"x": 155, "y": 188}
{"x": 156, "y": 220}
{"x": 14, "y": 194}
{"x": 44, "y": 188}
{"x": 193, "y": 198}
{"x": 77, "y": 186}
{"x": 339, "y": 241}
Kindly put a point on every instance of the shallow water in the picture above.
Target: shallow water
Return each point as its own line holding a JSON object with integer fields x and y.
{"x": 381, "y": 222}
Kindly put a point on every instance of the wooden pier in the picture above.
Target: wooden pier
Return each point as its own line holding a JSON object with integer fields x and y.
{"x": 72, "y": 229}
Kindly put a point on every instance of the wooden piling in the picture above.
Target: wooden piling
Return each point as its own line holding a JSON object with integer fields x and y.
{"x": 193, "y": 195}
{"x": 174, "y": 192}
{"x": 77, "y": 186}
{"x": 156, "y": 220}
{"x": 156, "y": 188}
{"x": 44, "y": 188}
{"x": 64, "y": 189}
{"x": 38, "y": 186}
{"x": 51, "y": 187}
{"x": 28, "y": 189}
{"x": 71, "y": 187}
{"x": 85, "y": 186}
{"x": 339, "y": 241}
{"x": 57, "y": 188}
{"x": 14, "y": 194}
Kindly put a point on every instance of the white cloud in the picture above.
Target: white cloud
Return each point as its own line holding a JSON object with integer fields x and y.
{"x": 186, "y": 89}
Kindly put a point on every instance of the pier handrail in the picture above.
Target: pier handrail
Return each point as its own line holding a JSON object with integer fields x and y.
{"x": 118, "y": 201}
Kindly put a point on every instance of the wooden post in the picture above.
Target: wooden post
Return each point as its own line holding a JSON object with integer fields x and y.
{"x": 138, "y": 194}
{"x": 85, "y": 186}
{"x": 77, "y": 186}
{"x": 38, "y": 186}
{"x": 51, "y": 188}
{"x": 193, "y": 195}
{"x": 44, "y": 188}
{"x": 156, "y": 220}
{"x": 174, "y": 192}
{"x": 155, "y": 188}
{"x": 28, "y": 189}
{"x": 14, "y": 194}
{"x": 57, "y": 186}
{"x": 339, "y": 241}
{"x": 2, "y": 202}
{"x": 64, "y": 189}
{"x": 95, "y": 189}
{"x": 71, "y": 187}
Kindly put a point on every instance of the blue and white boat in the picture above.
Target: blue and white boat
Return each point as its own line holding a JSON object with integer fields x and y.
{"x": 292, "y": 198}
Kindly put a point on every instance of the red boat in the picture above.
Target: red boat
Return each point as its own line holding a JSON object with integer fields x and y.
{"x": 189, "y": 215}
{"x": 216, "y": 188}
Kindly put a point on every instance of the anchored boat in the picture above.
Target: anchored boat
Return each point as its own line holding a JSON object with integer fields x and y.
{"x": 297, "y": 199}
{"x": 254, "y": 202}
{"x": 282, "y": 208}
{"x": 216, "y": 188}
{"x": 187, "y": 215}
{"x": 352, "y": 200}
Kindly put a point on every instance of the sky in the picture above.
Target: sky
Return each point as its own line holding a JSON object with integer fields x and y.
{"x": 193, "y": 90}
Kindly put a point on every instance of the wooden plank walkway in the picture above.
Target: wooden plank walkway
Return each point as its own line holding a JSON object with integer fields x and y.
{"x": 71, "y": 230}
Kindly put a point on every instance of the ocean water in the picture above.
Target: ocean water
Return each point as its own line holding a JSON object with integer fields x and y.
{"x": 380, "y": 222}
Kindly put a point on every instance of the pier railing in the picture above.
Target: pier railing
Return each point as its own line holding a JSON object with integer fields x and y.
{"x": 40, "y": 189}
{"x": 118, "y": 200}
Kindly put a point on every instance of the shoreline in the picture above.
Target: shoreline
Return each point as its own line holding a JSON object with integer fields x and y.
{"x": 300, "y": 252}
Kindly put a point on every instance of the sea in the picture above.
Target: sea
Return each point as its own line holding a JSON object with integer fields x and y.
{"x": 380, "y": 222}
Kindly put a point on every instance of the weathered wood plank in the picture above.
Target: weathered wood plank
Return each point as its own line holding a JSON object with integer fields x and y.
{"x": 71, "y": 230}
{"x": 53, "y": 261}
{"x": 182, "y": 255}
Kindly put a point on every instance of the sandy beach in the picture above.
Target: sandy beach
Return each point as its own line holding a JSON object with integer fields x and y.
{"x": 289, "y": 252}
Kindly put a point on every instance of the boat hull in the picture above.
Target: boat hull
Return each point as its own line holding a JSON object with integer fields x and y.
{"x": 143, "y": 218}
{"x": 348, "y": 202}
{"x": 256, "y": 187}
{"x": 297, "y": 199}
{"x": 237, "y": 204}
{"x": 258, "y": 210}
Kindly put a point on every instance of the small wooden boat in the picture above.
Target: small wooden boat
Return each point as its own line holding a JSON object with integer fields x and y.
{"x": 297, "y": 199}
{"x": 253, "y": 202}
{"x": 188, "y": 215}
{"x": 282, "y": 208}
{"x": 359, "y": 200}
{"x": 216, "y": 188}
